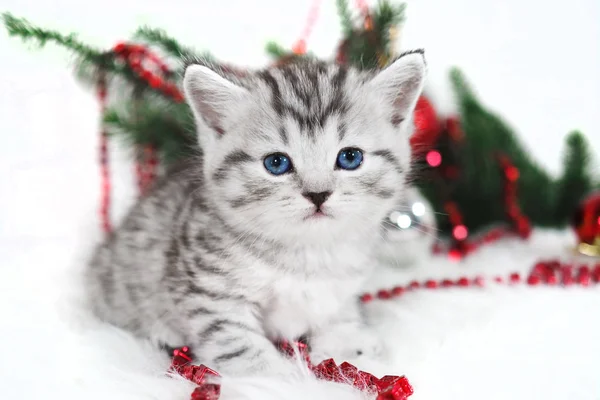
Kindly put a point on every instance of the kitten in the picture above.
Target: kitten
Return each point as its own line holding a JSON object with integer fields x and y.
{"x": 274, "y": 233}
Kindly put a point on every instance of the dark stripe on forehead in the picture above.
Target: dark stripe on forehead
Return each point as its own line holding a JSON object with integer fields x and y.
{"x": 314, "y": 89}
{"x": 338, "y": 104}
{"x": 275, "y": 91}
{"x": 342, "y": 129}
{"x": 303, "y": 80}
{"x": 389, "y": 157}
{"x": 283, "y": 135}
{"x": 300, "y": 90}
{"x": 232, "y": 160}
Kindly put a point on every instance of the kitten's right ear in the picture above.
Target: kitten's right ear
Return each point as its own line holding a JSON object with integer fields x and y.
{"x": 210, "y": 95}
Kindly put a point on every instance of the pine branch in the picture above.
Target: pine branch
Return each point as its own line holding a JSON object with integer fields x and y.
{"x": 576, "y": 181}
{"x": 345, "y": 16}
{"x": 387, "y": 14}
{"x": 365, "y": 48}
{"x": 27, "y": 32}
{"x": 386, "y": 17}
{"x": 276, "y": 50}
{"x": 150, "y": 120}
{"x": 160, "y": 38}
{"x": 480, "y": 189}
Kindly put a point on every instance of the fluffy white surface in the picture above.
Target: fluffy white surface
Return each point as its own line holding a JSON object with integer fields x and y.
{"x": 492, "y": 343}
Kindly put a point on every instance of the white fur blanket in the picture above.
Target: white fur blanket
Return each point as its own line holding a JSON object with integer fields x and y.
{"x": 497, "y": 342}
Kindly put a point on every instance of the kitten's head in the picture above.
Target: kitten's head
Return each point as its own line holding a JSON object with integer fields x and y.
{"x": 309, "y": 150}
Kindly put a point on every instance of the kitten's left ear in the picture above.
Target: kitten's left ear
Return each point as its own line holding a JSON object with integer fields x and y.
{"x": 401, "y": 83}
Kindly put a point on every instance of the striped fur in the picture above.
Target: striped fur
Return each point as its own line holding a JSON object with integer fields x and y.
{"x": 226, "y": 257}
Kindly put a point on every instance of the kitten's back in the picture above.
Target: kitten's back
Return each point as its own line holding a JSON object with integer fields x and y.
{"x": 135, "y": 252}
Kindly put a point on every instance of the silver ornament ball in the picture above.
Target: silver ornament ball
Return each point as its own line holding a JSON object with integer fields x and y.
{"x": 408, "y": 231}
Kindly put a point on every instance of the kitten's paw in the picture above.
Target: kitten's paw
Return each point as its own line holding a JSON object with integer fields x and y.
{"x": 349, "y": 344}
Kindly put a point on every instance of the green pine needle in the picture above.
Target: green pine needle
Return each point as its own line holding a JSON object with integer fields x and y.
{"x": 576, "y": 181}
{"x": 387, "y": 14}
{"x": 160, "y": 38}
{"x": 276, "y": 50}
{"x": 27, "y": 32}
{"x": 150, "y": 120}
{"x": 345, "y": 16}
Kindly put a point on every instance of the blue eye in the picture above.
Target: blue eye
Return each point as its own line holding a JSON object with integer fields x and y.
{"x": 278, "y": 163}
{"x": 349, "y": 158}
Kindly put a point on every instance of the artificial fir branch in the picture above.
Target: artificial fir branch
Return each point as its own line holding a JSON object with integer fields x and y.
{"x": 160, "y": 38}
{"x": 576, "y": 182}
{"x": 366, "y": 47}
{"x": 486, "y": 135}
{"x": 146, "y": 121}
{"x": 28, "y": 32}
{"x": 345, "y": 16}
{"x": 90, "y": 61}
{"x": 388, "y": 16}
{"x": 276, "y": 50}
{"x": 144, "y": 116}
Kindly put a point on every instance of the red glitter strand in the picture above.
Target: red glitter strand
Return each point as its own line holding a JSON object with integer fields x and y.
{"x": 300, "y": 46}
{"x": 145, "y": 168}
{"x": 105, "y": 186}
{"x": 148, "y": 67}
{"x": 520, "y": 223}
{"x": 363, "y": 7}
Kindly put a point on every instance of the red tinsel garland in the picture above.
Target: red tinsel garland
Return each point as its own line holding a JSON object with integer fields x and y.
{"x": 387, "y": 388}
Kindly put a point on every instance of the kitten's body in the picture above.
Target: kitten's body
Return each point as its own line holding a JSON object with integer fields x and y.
{"x": 230, "y": 258}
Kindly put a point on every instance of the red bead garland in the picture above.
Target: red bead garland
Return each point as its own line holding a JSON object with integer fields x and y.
{"x": 104, "y": 169}
{"x": 520, "y": 223}
{"x": 363, "y": 7}
{"x": 300, "y": 47}
{"x": 149, "y": 67}
{"x": 551, "y": 272}
{"x": 146, "y": 169}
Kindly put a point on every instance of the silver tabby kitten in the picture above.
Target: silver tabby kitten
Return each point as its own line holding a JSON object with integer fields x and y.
{"x": 273, "y": 234}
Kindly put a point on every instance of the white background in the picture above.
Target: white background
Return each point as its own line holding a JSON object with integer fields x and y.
{"x": 535, "y": 62}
